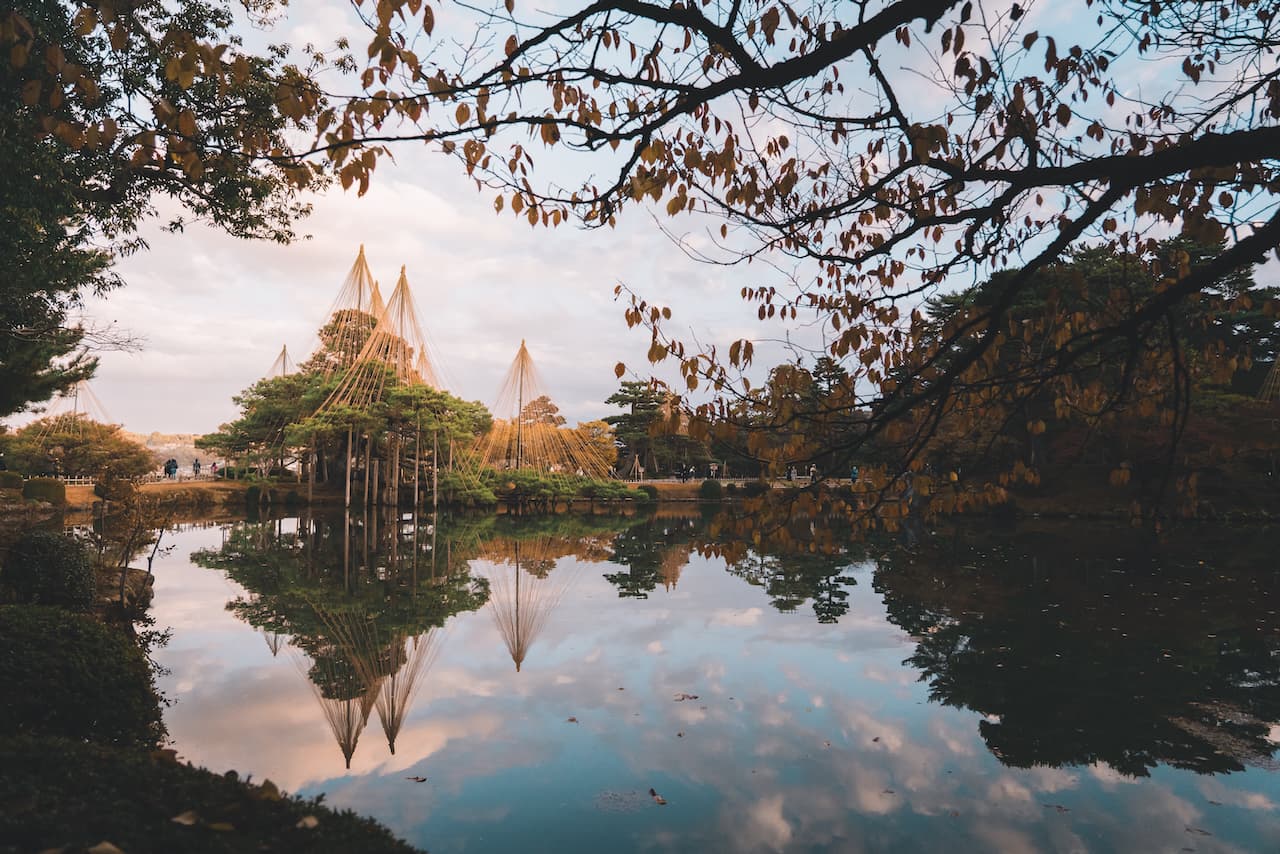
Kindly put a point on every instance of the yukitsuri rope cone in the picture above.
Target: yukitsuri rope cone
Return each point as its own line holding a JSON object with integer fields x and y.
{"x": 283, "y": 365}
{"x": 352, "y": 318}
{"x": 397, "y": 348}
{"x": 70, "y": 411}
{"x": 529, "y": 434}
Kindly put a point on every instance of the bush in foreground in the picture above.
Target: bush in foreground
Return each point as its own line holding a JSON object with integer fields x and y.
{"x": 10, "y": 480}
{"x": 50, "y": 568}
{"x": 70, "y": 676}
{"x": 56, "y": 793}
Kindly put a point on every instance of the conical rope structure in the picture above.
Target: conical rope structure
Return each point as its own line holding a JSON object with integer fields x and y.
{"x": 283, "y": 365}
{"x": 528, "y": 432}
{"x": 70, "y": 410}
{"x": 522, "y": 602}
{"x": 397, "y": 348}
{"x": 351, "y": 319}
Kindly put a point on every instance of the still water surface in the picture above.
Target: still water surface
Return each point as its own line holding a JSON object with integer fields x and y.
{"x": 521, "y": 685}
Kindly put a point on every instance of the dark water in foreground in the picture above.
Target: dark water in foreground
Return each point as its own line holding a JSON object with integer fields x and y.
{"x": 1068, "y": 689}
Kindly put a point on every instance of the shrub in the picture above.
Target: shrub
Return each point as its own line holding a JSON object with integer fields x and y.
{"x": 70, "y": 676}
{"x": 253, "y": 495}
{"x": 45, "y": 489}
{"x": 50, "y": 568}
{"x": 711, "y": 490}
{"x": 731, "y": 489}
{"x": 69, "y": 796}
{"x": 648, "y": 489}
{"x": 754, "y": 488}
{"x": 10, "y": 480}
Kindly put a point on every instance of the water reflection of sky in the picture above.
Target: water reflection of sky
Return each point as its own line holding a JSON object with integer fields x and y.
{"x": 802, "y": 737}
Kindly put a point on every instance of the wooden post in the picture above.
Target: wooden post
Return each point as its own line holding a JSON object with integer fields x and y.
{"x": 368, "y": 454}
{"x": 417, "y": 473}
{"x": 348, "y": 467}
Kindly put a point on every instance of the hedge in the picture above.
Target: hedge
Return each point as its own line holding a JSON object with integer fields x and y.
{"x": 711, "y": 490}
{"x": 50, "y": 568}
{"x": 48, "y": 489}
{"x": 10, "y": 480}
{"x": 70, "y": 676}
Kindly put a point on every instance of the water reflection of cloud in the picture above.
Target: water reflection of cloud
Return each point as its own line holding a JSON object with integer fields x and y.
{"x": 803, "y": 736}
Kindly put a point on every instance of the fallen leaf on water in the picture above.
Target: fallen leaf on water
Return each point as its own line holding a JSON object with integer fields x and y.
{"x": 681, "y": 697}
{"x": 104, "y": 847}
{"x": 826, "y": 744}
{"x": 309, "y": 822}
{"x": 222, "y": 826}
{"x": 888, "y": 792}
{"x": 679, "y": 735}
{"x": 417, "y": 779}
{"x": 187, "y": 818}
{"x": 1216, "y": 803}
{"x": 877, "y": 738}
{"x": 1058, "y": 807}
{"x": 658, "y": 799}
{"x": 571, "y": 721}
{"x": 1198, "y": 830}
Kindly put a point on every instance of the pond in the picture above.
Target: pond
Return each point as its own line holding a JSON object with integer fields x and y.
{"x": 648, "y": 683}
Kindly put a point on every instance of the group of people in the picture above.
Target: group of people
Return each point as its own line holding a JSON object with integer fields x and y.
{"x": 171, "y": 468}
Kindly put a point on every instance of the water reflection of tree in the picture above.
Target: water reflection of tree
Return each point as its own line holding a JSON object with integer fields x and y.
{"x": 790, "y": 580}
{"x": 1094, "y": 649}
{"x": 653, "y": 552}
{"x": 362, "y": 601}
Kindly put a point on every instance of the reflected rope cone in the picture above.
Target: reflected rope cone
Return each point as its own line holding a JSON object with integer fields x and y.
{"x": 529, "y": 433}
{"x": 672, "y": 562}
{"x": 413, "y": 659}
{"x": 275, "y": 642}
{"x": 347, "y": 693}
{"x": 522, "y": 602}
{"x": 344, "y": 697}
{"x": 391, "y": 668}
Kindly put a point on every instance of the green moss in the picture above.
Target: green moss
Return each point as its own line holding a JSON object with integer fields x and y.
{"x": 48, "y": 489}
{"x": 56, "y": 793}
{"x": 50, "y": 568}
{"x": 70, "y": 676}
